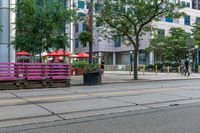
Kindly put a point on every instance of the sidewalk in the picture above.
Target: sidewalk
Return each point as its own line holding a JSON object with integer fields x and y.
{"x": 124, "y": 77}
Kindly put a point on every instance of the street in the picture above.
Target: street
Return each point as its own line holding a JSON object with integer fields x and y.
{"x": 140, "y": 107}
{"x": 183, "y": 119}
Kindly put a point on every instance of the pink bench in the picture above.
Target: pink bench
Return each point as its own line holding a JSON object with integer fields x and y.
{"x": 34, "y": 71}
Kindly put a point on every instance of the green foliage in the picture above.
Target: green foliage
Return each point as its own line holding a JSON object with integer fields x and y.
{"x": 150, "y": 67}
{"x": 38, "y": 22}
{"x": 85, "y": 65}
{"x": 80, "y": 64}
{"x": 159, "y": 65}
{"x": 85, "y": 37}
{"x": 131, "y": 19}
{"x": 92, "y": 68}
{"x": 196, "y": 33}
{"x": 173, "y": 47}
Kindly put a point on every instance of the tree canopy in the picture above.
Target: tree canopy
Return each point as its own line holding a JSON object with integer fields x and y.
{"x": 131, "y": 19}
{"x": 172, "y": 47}
{"x": 196, "y": 33}
{"x": 41, "y": 26}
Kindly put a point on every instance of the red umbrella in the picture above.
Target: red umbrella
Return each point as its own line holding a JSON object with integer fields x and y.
{"x": 60, "y": 58}
{"x": 23, "y": 53}
{"x": 82, "y": 55}
{"x": 73, "y": 56}
{"x": 59, "y": 53}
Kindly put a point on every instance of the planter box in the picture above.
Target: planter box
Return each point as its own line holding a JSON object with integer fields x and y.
{"x": 80, "y": 71}
{"x": 92, "y": 78}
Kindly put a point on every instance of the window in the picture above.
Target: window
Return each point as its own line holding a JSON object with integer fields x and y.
{"x": 188, "y": 4}
{"x": 84, "y": 27}
{"x": 77, "y": 28}
{"x": 187, "y": 20}
{"x": 87, "y": 5}
{"x": 169, "y": 19}
{"x": 85, "y": 45}
{"x": 161, "y": 32}
{"x": 81, "y": 4}
{"x": 117, "y": 41}
{"x": 76, "y": 43}
{"x": 142, "y": 57}
{"x": 81, "y": 15}
{"x": 198, "y": 19}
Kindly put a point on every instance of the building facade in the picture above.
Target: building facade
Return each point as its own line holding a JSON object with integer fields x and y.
{"x": 7, "y": 20}
{"x": 113, "y": 52}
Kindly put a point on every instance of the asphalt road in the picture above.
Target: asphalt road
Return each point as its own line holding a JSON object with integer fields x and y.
{"x": 145, "y": 107}
{"x": 181, "y": 119}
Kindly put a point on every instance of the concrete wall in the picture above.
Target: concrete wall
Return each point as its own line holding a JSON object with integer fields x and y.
{"x": 7, "y": 19}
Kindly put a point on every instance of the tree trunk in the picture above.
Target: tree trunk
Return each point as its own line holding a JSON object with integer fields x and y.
{"x": 135, "y": 64}
{"x": 90, "y": 53}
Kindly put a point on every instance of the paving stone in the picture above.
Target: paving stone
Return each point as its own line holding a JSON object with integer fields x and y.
{"x": 102, "y": 112}
{"x": 148, "y": 99}
{"x": 21, "y": 111}
{"x": 83, "y": 105}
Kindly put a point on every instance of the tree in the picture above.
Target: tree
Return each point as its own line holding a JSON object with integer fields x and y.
{"x": 173, "y": 47}
{"x": 85, "y": 37}
{"x": 196, "y": 33}
{"x": 131, "y": 19}
{"x": 41, "y": 26}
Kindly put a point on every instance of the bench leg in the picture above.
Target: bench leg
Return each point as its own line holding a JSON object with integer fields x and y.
{"x": 67, "y": 82}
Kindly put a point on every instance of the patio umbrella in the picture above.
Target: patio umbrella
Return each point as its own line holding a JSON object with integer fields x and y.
{"x": 82, "y": 55}
{"x": 59, "y": 53}
{"x": 42, "y": 54}
{"x": 60, "y": 58}
{"x": 23, "y": 53}
{"x": 73, "y": 56}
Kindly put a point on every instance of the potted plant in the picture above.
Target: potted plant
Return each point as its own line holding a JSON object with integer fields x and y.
{"x": 93, "y": 75}
{"x": 80, "y": 67}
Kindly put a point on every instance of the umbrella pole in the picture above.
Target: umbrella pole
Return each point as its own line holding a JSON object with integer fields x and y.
{"x": 40, "y": 57}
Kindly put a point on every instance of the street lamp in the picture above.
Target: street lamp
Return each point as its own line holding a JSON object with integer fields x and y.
{"x": 131, "y": 60}
{"x": 197, "y": 58}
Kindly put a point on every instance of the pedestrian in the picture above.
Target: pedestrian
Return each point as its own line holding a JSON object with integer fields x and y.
{"x": 187, "y": 63}
{"x": 102, "y": 67}
{"x": 182, "y": 67}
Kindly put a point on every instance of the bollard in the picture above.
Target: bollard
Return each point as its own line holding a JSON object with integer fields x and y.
{"x": 167, "y": 70}
{"x": 179, "y": 70}
{"x": 156, "y": 70}
{"x": 144, "y": 69}
{"x": 198, "y": 68}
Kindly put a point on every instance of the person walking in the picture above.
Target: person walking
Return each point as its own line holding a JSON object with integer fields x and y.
{"x": 182, "y": 67}
{"x": 102, "y": 67}
{"x": 187, "y": 63}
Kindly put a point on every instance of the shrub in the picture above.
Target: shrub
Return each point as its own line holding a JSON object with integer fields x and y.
{"x": 80, "y": 64}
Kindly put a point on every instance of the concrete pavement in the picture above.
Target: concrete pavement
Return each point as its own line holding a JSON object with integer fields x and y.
{"x": 181, "y": 119}
{"x": 124, "y": 77}
{"x": 18, "y": 107}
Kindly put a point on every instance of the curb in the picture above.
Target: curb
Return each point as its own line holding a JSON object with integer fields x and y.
{"x": 136, "y": 81}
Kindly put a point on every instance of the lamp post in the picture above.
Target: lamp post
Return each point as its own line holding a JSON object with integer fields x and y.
{"x": 197, "y": 58}
{"x": 131, "y": 60}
